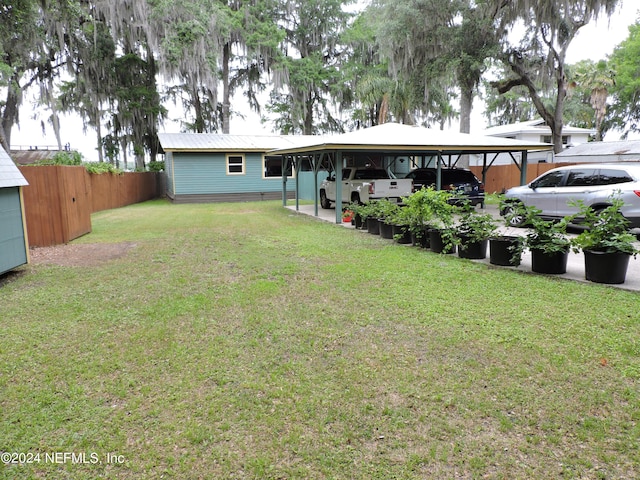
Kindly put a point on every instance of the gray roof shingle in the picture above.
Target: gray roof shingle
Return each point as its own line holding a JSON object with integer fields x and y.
{"x": 10, "y": 176}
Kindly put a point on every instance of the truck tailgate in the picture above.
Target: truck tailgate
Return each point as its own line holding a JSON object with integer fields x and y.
{"x": 397, "y": 187}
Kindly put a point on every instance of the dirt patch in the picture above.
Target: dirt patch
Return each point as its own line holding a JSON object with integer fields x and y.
{"x": 79, "y": 255}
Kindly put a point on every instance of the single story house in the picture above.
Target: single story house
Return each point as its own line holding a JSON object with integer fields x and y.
{"x": 535, "y": 131}
{"x": 207, "y": 167}
{"x": 14, "y": 245}
{"x": 600, "y": 152}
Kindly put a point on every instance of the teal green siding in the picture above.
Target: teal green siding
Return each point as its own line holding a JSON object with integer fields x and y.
{"x": 206, "y": 173}
{"x": 12, "y": 236}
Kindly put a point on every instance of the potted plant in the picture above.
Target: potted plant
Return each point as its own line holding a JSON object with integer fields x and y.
{"x": 606, "y": 243}
{"x": 472, "y": 232}
{"x": 504, "y": 249}
{"x": 400, "y": 225}
{"x": 358, "y": 214}
{"x": 386, "y": 211}
{"x": 419, "y": 214}
{"x": 442, "y": 234}
{"x": 369, "y": 213}
{"x": 548, "y": 242}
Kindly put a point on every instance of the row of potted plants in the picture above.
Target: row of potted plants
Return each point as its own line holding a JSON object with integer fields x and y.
{"x": 430, "y": 218}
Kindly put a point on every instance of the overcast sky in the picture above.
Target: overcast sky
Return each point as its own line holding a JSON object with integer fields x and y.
{"x": 594, "y": 41}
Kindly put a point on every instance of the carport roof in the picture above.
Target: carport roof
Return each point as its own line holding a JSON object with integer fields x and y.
{"x": 408, "y": 138}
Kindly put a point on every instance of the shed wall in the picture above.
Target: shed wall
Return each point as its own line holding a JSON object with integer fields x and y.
{"x": 13, "y": 252}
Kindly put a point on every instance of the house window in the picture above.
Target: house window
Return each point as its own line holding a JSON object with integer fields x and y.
{"x": 235, "y": 164}
{"x": 273, "y": 167}
{"x": 549, "y": 139}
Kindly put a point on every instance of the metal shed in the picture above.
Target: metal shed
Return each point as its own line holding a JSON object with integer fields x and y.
{"x": 422, "y": 146}
{"x": 14, "y": 245}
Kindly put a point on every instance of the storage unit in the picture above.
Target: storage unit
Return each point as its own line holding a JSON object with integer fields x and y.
{"x": 14, "y": 245}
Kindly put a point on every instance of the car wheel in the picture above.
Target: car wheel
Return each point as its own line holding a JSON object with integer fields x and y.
{"x": 324, "y": 201}
{"x": 514, "y": 218}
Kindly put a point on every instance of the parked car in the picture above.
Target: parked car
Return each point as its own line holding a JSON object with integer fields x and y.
{"x": 360, "y": 185}
{"x": 461, "y": 182}
{"x": 555, "y": 191}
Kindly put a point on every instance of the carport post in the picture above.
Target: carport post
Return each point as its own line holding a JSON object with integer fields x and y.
{"x": 295, "y": 160}
{"x": 523, "y": 168}
{"x": 439, "y": 172}
{"x": 338, "y": 165}
{"x": 284, "y": 181}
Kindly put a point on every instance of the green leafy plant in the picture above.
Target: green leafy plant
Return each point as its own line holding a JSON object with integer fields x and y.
{"x": 418, "y": 211}
{"x": 385, "y": 210}
{"x": 473, "y": 226}
{"x": 606, "y": 229}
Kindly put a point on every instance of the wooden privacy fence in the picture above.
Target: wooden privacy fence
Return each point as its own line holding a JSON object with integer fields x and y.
{"x": 59, "y": 200}
{"x": 501, "y": 177}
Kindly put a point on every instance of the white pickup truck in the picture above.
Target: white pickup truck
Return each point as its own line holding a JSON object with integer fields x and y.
{"x": 364, "y": 184}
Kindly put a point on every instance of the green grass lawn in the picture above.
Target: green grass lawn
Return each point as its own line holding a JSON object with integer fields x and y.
{"x": 244, "y": 341}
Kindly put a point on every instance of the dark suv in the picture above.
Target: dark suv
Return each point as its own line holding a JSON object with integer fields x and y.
{"x": 462, "y": 182}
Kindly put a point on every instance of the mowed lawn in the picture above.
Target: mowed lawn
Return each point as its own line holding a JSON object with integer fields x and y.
{"x": 243, "y": 341}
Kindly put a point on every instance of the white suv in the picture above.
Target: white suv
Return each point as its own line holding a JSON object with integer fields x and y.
{"x": 594, "y": 184}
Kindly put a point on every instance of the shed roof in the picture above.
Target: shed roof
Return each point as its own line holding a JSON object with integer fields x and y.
{"x": 214, "y": 142}
{"x": 410, "y": 138}
{"x": 10, "y": 176}
{"x": 627, "y": 148}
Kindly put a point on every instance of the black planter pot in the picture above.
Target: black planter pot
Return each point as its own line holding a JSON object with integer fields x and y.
{"x": 421, "y": 240}
{"x": 386, "y": 229}
{"x": 401, "y": 234}
{"x": 373, "y": 226}
{"x": 554, "y": 263}
{"x": 437, "y": 243}
{"x": 357, "y": 221}
{"x": 601, "y": 267}
{"x": 472, "y": 250}
{"x": 504, "y": 251}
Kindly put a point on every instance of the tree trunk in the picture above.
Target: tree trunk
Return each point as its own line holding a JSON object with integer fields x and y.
{"x": 226, "y": 94}
{"x": 466, "y": 104}
{"x": 558, "y": 122}
{"x": 10, "y": 112}
{"x": 308, "y": 117}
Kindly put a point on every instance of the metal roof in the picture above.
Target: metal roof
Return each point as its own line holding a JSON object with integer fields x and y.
{"x": 10, "y": 176}
{"x": 214, "y": 142}
{"x": 626, "y": 148}
{"x": 537, "y": 127}
{"x": 409, "y": 138}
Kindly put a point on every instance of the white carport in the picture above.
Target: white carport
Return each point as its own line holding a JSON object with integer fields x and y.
{"x": 403, "y": 140}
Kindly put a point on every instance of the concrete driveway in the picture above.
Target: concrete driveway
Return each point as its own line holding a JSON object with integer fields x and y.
{"x": 575, "y": 263}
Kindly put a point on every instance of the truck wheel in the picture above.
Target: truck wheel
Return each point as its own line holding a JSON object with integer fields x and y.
{"x": 324, "y": 201}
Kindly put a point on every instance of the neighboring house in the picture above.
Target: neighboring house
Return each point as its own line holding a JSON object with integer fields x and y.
{"x": 534, "y": 131}
{"x": 600, "y": 152}
{"x": 204, "y": 167}
{"x": 14, "y": 247}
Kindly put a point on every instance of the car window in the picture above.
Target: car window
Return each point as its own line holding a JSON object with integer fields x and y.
{"x": 611, "y": 177}
{"x": 551, "y": 179}
{"x": 582, "y": 178}
{"x": 458, "y": 176}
